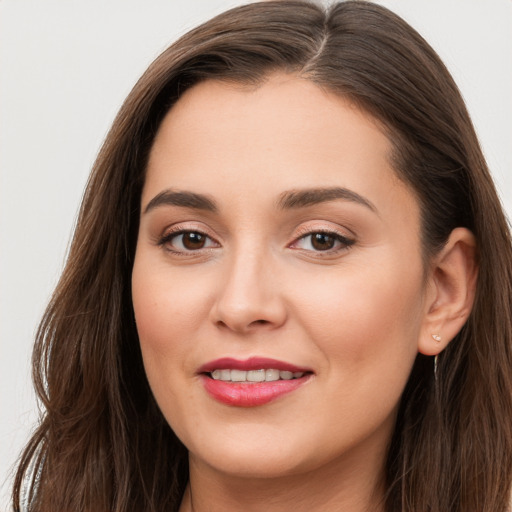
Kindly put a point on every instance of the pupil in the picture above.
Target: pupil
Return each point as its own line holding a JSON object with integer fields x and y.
{"x": 193, "y": 240}
{"x": 322, "y": 241}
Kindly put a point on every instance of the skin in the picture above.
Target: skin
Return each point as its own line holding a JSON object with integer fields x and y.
{"x": 356, "y": 314}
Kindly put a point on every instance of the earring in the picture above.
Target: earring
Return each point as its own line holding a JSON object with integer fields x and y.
{"x": 436, "y": 337}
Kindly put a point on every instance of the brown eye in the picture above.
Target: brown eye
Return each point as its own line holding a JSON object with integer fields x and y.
{"x": 192, "y": 240}
{"x": 187, "y": 241}
{"x": 322, "y": 241}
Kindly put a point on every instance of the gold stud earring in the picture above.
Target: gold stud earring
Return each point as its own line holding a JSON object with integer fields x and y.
{"x": 436, "y": 337}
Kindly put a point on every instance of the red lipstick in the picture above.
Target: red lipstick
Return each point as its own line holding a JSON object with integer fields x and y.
{"x": 253, "y": 363}
{"x": 229, "y": 380}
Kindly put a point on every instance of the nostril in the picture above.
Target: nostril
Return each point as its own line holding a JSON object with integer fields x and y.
{"x": 247, "y": 327}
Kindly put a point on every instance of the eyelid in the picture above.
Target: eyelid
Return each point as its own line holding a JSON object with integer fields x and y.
{"x": 341, "y": 235}
{"x": 319, "y": 226}
{"x": 186, "y": 226}
{"x": 323, "y": 228}
{"x": 181, "y": 228}
{"x": 347, "y": 240}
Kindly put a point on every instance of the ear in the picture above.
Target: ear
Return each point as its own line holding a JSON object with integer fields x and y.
{"x": 450, "y": 292}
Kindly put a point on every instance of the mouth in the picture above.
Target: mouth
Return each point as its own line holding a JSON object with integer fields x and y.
{"x": 261, "y": 375}
{"x": 252, "y": 382}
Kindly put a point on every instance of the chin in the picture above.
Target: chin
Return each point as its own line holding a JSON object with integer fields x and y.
{"x": 259, "y": 451}
{"x": 253, "y": 465}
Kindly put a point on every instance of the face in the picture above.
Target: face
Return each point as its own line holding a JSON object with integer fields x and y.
{"x": 276, "y": 242}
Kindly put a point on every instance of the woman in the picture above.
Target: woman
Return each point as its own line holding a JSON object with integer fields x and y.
{"x": 289, "y": 286}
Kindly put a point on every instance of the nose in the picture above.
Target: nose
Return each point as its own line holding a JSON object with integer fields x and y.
{"x": 249, "y": 296}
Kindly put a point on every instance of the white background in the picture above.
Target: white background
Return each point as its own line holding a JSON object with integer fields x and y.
{"x": 66, "y": 66}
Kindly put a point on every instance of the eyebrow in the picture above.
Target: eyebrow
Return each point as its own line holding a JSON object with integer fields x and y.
{"x": 182, "y": 198}
{"x": 290, "y": 199}
{"x": 308, "y": 197}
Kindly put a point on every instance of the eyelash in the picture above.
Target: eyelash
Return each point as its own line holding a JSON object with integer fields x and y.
{"x": 345, "y": 243}
{"x": 165, "y": 241}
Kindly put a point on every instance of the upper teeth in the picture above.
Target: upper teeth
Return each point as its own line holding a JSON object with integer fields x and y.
{"x": 254, "y": 375}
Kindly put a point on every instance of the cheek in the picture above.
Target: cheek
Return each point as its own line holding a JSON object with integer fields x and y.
{"x": 167, "y": 307}
{"x": 167, "y": 310}
{"x": 366, "y": 326}
{"x": 366, "y": 320}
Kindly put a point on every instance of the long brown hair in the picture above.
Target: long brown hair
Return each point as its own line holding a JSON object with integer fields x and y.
{"x": 103, "y": 444}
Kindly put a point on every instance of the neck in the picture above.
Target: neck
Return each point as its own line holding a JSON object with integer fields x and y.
{"x": 355, "y": 487}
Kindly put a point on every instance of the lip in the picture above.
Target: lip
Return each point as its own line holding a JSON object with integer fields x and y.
{"x": 250, "y": 394}
{"x": 253, "y": 363}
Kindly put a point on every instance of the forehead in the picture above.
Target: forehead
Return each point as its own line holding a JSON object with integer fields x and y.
{"x": 283, "y": 109}
{"x": 285, "y": 133}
